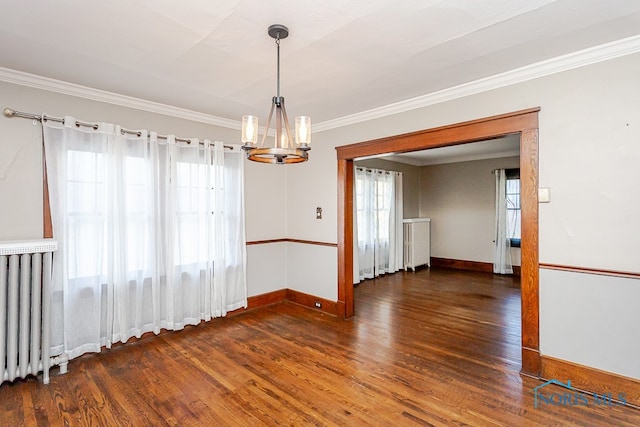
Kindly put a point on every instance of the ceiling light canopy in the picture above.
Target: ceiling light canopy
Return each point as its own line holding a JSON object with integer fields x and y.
{"x": 284, "y": 149}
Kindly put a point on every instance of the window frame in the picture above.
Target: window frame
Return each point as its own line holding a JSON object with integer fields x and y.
{"x": 513, "y": 174}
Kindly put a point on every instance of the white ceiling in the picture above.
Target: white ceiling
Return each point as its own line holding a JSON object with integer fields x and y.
{"x": 342, "y": 56}
{"x": 507, "y": 146}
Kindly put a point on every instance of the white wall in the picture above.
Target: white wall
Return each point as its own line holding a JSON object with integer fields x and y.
{"x": 21, "y": 173}
{"x": 266, "y": 267}
{"x": 606, "y": 335}
{"x": 312, "y": 269}
{"x": 309, "y": 185}
{"x": 265, "y": 204}
{"x": 460, "y": 200}
{"x": 589, "y": 156}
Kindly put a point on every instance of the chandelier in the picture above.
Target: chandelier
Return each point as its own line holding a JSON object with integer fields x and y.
{"x": 284, "y": 149}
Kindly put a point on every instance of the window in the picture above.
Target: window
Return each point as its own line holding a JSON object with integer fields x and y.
{"x": 383, "y": 204}
{"x": 140, "y": 223}
{"x": 87, "y": 223}
{"x": 193, "y": 192}
{"x": 373, "y": 204}
{"x": 85, "y": 187}
{"x": 379, "y": 222}
{"x": 513, "y": 206}
{"x": 88, "y": 217}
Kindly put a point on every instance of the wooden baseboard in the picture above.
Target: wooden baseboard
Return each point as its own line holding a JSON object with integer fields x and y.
{"x": 266, "y": 299}
{"x": 591, "y": 380}
{"x": 317, "y": 303}
{"x": 459, "y": 264}
{"x": 335, "y": 308}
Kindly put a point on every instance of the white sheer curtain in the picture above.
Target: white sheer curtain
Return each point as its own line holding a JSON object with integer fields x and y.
{"x": 502, "y": 252}
{"x": 396, "y": 249}
{"x": 378, "y": 223}
{"x": 150, "y": 232}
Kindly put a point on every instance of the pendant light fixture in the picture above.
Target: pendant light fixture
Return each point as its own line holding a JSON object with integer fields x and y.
{"x": 284, "y": 149}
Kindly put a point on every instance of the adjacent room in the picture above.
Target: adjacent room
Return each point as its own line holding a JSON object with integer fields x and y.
{"x": 437, "y": 210}
{"x": 438, "y": 228}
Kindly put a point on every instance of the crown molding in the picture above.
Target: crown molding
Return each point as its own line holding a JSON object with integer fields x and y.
{"x": 559, "y": 64}
{"x": 66, "y": 88}
{"x": 548, "y": 67}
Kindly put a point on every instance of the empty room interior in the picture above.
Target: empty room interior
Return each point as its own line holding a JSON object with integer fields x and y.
{"x": 439, "y": 228}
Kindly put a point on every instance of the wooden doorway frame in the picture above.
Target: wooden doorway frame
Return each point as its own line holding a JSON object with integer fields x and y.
{"x": 524, "y": 123}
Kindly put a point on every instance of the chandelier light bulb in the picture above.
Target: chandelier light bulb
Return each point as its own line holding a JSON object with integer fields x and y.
{"x": 249, "y": 130}
{"x": 303, "y": 130}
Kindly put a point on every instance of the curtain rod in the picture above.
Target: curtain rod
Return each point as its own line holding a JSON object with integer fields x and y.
{"x": 13, "y": 113}
{"x": 376, "y": 170}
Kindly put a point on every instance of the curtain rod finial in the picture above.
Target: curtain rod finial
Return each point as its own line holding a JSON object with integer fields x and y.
{"x": 8, "y": 112}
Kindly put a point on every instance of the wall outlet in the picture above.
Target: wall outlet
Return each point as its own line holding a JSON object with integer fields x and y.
{"x": 318, "y": 213}
{"x": 318, "y": 304}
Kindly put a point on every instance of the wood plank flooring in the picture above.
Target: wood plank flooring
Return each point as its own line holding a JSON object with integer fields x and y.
{"x": 435, "y": 347}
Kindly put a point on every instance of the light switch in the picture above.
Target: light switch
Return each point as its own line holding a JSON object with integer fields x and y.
{"x": 544, "y": 195}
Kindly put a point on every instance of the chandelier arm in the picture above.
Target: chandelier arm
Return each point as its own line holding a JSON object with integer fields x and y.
{"x": 278, "y": 141}
{"x": 266, "y": 131}
{"x": 286, "y": 124}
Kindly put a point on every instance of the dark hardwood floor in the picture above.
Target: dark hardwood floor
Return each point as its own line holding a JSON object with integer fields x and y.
{"x": 435, "y": 347}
